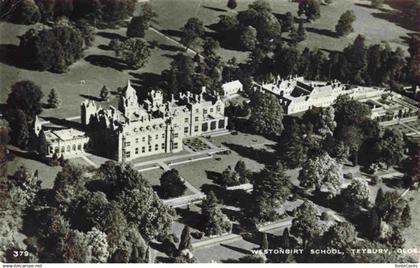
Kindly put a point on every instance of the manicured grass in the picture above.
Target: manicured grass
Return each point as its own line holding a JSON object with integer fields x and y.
{"x": 68, "y": 85}
{"x": 371, "y": 23}
{"x": 243, "y": 139}
{"x": 197, "y": 173}
{"x": 46, "y": 173}
{"x": 152, "y": 176}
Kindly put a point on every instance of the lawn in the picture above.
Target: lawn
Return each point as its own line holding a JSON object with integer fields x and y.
{"x": 153, "y": 176}
{"x": 197, "y": 173}
{"x": 375, "y": 25}
{"x": 46, "y": 173}
{"x": 95, "y": 69}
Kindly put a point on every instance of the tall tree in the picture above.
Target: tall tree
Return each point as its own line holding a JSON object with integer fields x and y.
{"x": 104, "y": 94}
{"x": 26, "y": 96}
{"x": 301, "y": 32}
{"x": 393, "y": 146}
{"x": 340, "y": 236}
{"x": 248, "y": 38}
{"x": 232, "y": 4}
{"x": 134, "y": 52}
{"x": 215, "y": 222}
{"x": 137, "y": 27}
{"x": 42, "y": 145}
{"x": 52, "y": 49}
{"x": 305, "y": 224}
{"x": 185, "y": 242}
{"x": 87, "y": 31}
{"x": 271, "y": 187}
{"x": 344, "y": 24}
{"x": 414, "y": 59}
{"x": 311, "y": 9}
{"x": 266, "y": 114}
{"x": 356, "y": 195}
{"x": 19, "y": 125}
{"x": 356, "y": 59}
{"x": 192, "y": 30}
{"x": 287, "y": 22}
{"x": 264, "y": 241}
{"x": 171, "y": 184}
{"x": 53, "y": 99}
{"x": 321, "y": 171}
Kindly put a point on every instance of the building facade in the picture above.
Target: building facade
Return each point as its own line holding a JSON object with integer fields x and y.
{"x": 153, "y": 126}
{"x": 297, "y": 95}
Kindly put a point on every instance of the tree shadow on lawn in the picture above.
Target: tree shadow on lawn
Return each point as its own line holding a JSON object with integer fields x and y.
{"x": 107, "y": 61}
{"x": 25, "y": 154}
{"x": 261, "y": 156}
{"x": 90, "y": 97}
{"x": 173, "y": 33}
{"x": 111, "y": 36}
{"x": 215, "y": 8}
{"x": 394, "y": 182}
{"x": 12, "y": 56}
{"x": 336, "y": 203}
{"x": 105, "y": 47}
{"x": 214, "y": 176}
{"x": 226, "y": 41}
{"x": 233, "y": 215}
{"x": 399, "y": 18}
{"x": 238, "y": 249}
{"x": 190, "y": 218}
{"x": 235, "y": 198}
{"x": 325, "y": 32}
{"x": 170, "y": 48}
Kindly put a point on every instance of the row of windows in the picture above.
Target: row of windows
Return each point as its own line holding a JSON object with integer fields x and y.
{"x": 149, "y": 149}
{"x": 205, "y": 110}
{"x": 143, "y": 139}
{"x": 69, "y": 148}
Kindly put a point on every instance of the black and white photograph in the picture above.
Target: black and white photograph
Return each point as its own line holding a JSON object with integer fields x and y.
{"x": 173, "y": 132}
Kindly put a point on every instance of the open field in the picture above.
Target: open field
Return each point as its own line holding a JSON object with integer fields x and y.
{"x": 99, "y": 67}
{"x": 376, "y": 25}
{"x": 95, "y": 68}
{"x": 46, "y": 173}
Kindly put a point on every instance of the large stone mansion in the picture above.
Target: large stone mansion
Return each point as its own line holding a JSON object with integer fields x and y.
{"x": 134, "y": 129}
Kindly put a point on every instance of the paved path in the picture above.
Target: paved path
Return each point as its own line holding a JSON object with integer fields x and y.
{"x": 235, "y": 237}
{"x": 189, "y": 50}
{"x": 178, "y": 157}
{"x": 184, "y": 200}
